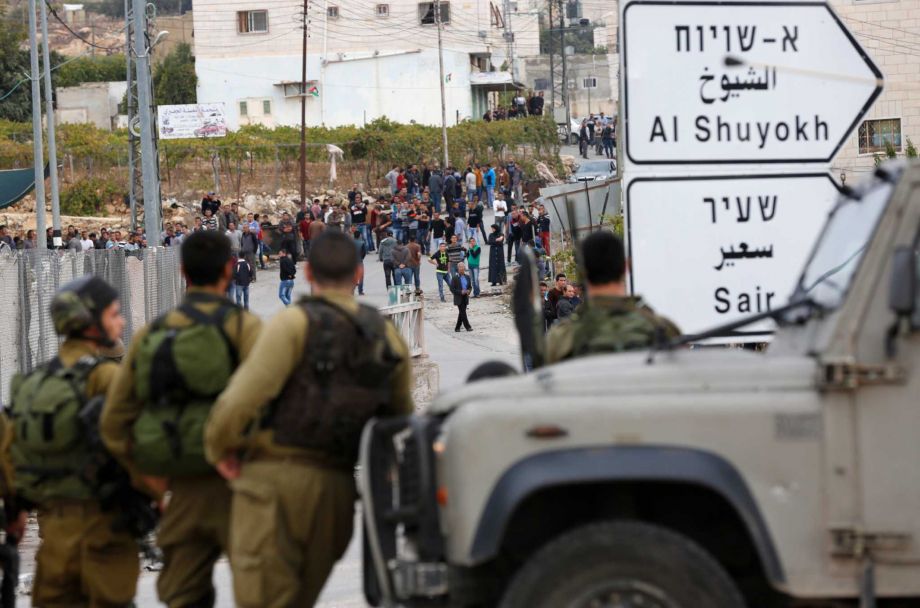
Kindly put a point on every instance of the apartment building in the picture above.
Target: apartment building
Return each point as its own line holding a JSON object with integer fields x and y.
{"x": 365, "y": 59}
{"x": 889, "y": 30}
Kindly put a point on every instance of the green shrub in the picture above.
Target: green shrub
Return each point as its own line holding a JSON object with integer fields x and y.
{"x": 88, "y": 197}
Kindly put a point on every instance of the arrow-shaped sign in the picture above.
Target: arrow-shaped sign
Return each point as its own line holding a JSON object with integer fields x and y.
{"x": 740, "y": 82}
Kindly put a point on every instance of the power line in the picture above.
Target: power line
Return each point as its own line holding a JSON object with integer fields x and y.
{"x": 76, "y": 35}
{"x": 24, "y": 80}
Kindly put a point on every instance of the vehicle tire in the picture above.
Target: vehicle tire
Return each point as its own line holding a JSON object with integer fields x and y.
{"x": 623, "y": 564}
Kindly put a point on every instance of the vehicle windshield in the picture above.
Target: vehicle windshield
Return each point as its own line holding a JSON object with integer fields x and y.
{"x": 597, "y": 166}
{"x": 841, "y": 247}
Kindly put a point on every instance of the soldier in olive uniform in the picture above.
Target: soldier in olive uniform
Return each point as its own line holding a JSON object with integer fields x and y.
{"x": 195, "y": 526}
{"x": 85, "y": 558}
{"x": 293, "y": 415}
{"x": 609, "y": 321}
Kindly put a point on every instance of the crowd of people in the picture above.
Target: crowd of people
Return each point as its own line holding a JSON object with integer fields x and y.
{"x": 598, "y": 132}
{"x": 520, "y": 107}
{"x": 429, "y": 214}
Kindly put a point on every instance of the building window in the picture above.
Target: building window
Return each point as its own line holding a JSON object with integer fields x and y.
{"x": 266, "y": 107}
{"x": 874, "y": 135}
{"x": 589, "y": 83}
{"x": 426, "y": 12}
{"x": 383, "y": 10}
{"x": 252, "y": 22}
{"x": 244, "y": 108}
{"x": 332, "y": 12}
{"x": 541, "y": 84}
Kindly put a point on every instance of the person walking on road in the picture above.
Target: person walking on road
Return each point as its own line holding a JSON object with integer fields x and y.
{"x": 497, "y": 272}
{"x": 288, "y": 272}
{"x": 415, "y": 263}
{"x": 242, "y": 277}
{"x": 385, "y": 253}
{"x": 401, "y": 259}
{"x": 460, "y": 286}
{"x": 151, "y": 395}
{"x": 473, "y": 255}
{"x": 361, "y": 249}
{"x": 441, "y": 260}
{"x": 318, "y": 373}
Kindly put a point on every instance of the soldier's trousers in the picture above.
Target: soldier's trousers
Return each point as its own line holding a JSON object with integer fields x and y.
{"x": 81, "y": 561}
{"x": 193, "y": 535}
{"x": 290, "y": 524}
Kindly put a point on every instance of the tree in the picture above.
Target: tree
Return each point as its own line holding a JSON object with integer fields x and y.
{"x": 103, "y": 68}
{"x": 175, "y": 81}
{"x": 16, "y": 102}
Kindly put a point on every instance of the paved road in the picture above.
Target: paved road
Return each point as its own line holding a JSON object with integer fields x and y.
{"x": 456, "y": 354}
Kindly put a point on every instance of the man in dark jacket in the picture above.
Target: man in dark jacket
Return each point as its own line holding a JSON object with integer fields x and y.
{"x": 460, "y": 286}
{"x": 288, "y": 272}
{"x": 436, "y": 188}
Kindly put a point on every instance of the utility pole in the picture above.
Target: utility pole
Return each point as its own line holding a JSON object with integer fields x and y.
{"x": 508, "y": 35}
{"x": 437, "y": 21}
{"x": 552, "y": 61}
{"x": 38, "y": 153}
{"x": 303, "y": 108}
{"x": 149, "y": 166}
{"x": 565, "y": 79}
{"x": 52, "y": 139}
{"x": 135, "y": 184}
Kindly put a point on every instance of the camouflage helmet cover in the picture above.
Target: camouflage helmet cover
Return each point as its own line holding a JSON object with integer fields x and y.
{"x": 78, "y": 305}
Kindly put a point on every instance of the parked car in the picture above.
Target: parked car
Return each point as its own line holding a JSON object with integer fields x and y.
{"x": 592, "y": 170}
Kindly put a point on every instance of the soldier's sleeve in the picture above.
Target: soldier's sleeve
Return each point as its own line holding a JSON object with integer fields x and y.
{"x": 121, "y": 408}
{"x": 401, "y": 401}
{"x": 558, "y": 342}
{"x": 245, "y": 329}
{"x": 256, "y": 382}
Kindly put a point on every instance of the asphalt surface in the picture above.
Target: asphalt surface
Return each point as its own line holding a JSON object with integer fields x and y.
{"x": 456, "y": 355}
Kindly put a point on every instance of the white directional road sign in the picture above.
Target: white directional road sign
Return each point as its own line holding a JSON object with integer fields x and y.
{"x": 740, "y": 82}
{"x": 708, "y": 250}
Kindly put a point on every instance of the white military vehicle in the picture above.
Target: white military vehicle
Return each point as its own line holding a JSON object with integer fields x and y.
{"x": 678, "y": 478}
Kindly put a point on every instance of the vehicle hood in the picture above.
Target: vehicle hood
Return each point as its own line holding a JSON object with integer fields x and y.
{"x": 683, "y": 372}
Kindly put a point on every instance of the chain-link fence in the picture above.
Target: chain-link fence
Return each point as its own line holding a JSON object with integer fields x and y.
{"x": 148, "y": 280}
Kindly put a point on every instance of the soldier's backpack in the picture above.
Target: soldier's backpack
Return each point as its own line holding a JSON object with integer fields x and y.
{"x": 343, "y": 381}
{"x": 179, "y": 372}
{"x": 51, "y": 454}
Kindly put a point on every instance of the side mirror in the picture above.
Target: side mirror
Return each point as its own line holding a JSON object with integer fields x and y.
{"x": 902, "y": 291}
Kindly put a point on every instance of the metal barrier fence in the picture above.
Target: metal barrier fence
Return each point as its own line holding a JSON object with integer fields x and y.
{"x": 148, "y": 280}
{"x": 409, "y": 319}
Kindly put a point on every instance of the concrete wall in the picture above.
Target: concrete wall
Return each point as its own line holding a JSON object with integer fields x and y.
{"x": 403, "y": 87}
{"x": 92, "y": 102}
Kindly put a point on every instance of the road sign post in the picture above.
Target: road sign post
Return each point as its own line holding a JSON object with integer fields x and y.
{"x": 730, "y": 246}
{"x": 732, "y": 113}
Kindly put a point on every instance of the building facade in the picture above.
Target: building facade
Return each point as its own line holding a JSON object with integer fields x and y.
{"x": 364, "y": 59}
{"x": 889, "y": 30}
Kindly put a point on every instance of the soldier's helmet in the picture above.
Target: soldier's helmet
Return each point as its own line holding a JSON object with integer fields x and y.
{"x": 78, "y": 305}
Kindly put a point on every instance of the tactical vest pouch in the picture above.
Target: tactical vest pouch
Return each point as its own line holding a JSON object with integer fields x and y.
{"x": 343, "y": 381}
{"x": 50, "y": 450}
{"x": 179, "y": 373}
